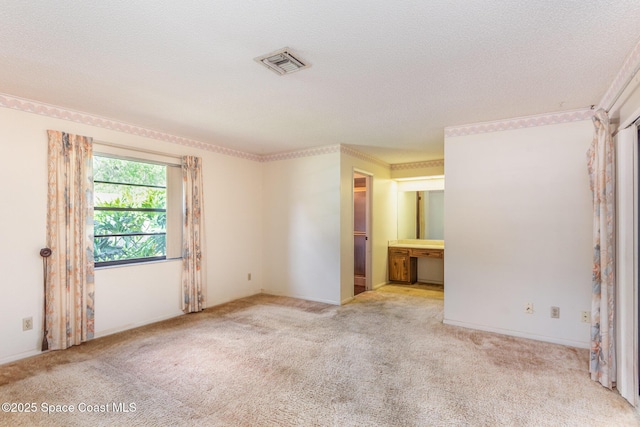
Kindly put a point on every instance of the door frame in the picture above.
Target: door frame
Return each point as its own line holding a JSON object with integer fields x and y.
{"x": 626, "y": 316}
{"x": 368, "y": 223}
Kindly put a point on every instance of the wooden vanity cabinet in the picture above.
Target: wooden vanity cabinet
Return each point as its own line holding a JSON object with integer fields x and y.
{"x": 402, "y": 266}
{"x": 403, "y": 262}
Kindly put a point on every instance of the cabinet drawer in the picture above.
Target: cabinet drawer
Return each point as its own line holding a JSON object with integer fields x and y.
{"x": 398, "y": 251}
{"x": 427, "y": 253}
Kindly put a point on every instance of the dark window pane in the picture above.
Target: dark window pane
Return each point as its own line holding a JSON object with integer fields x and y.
{"x": 113, "y": 195}
{"x": 116, "y": 248}
{"x": 128, "y": 171}
{"x": 122, "y": 222}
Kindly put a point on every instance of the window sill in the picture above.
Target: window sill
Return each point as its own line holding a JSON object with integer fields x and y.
{"x": 137, "y": 264}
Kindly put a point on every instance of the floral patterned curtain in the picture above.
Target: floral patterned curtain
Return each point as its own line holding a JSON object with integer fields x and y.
{"x": 192, "y": 236}
{"x": 601, "y": 159}
{"x": 69, "y": 311}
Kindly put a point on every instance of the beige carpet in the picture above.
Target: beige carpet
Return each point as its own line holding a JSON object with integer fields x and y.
{"x": 385, "y": 359}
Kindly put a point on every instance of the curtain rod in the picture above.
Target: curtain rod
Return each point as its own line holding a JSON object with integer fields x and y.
{"x": 139, "y": 150}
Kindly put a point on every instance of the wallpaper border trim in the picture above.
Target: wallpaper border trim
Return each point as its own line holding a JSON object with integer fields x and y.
{"x": 418, "y": 165}
{"x": 29, "y": 106}
{"x": 630, "y": 67}
{"x": 295, "y": 154}
{"x": 362, "y": 156}
{"x": 34, "y": 107}
{"x": 519, "y": 123}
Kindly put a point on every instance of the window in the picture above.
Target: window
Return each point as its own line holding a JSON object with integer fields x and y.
{"x": 138, "y": 211}
{"x": 130, "y": 211}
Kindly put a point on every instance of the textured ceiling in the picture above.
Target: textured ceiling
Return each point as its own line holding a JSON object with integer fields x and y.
{"x": 385, "y": 77}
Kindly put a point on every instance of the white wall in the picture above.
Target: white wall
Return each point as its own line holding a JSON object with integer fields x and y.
{"x": 233, "y": 208}
{"x": 518, "y": 230}
{"x": 308, "y": 225}
{"x": 383, "y": 221}
{"x": 431, "y": 270}
{"x": 289, "y": 223}
{"x": 125, "y": 296}
{"x": 301, "y": 222}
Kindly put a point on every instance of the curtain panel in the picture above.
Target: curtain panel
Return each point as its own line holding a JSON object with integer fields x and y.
{"x": 69, "y": 310}
{"x": 601, "y": 163}
{"x": 193, "y": 286}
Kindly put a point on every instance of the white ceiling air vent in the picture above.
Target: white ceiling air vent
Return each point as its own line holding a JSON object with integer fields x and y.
{"x": 282, "y": 62}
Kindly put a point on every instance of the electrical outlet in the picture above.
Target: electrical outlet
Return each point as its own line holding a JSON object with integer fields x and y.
{"x": 585, "y": 316}
{"x": 27, "y": 323}
{"x": 555, "y": 312}
{"x": 528, "y": 308}
{"x": 249, "y": 276}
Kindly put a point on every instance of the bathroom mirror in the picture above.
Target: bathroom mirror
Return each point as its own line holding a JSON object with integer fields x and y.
{"x": 421, "y": 210}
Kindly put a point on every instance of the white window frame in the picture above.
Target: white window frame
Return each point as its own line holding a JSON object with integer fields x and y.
{"x": 174, "y": 205}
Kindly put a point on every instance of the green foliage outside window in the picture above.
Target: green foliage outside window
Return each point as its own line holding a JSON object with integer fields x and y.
{"x": 129, "y": 203}
{"x": 128, "y": 171}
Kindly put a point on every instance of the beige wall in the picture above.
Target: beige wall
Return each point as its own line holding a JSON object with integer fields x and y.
{"x": 286, "y": 222}
{"x": 308, "y": 225}
{"x": 290, "y": 224}
{"x": 301, "y": 223}
{"x": 383, "y": 220}
{"x": 126, "y": 296}
{"x": 518, "y": 230}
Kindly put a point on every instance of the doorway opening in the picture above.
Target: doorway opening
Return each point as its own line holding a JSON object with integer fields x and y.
{"x": 361, "y": 197}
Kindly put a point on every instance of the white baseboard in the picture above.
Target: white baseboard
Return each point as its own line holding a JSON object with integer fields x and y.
{"x": 285, "y": 294}
{"x": 126, "y": 327}
{"x": 347, "y": 300}
{"x": 435, "y": 282}
{"x": 379, "y": 285}
{"x": 519, "y": 334}
{"x": 19, "y": 356}
{"x": 99, "y": 334}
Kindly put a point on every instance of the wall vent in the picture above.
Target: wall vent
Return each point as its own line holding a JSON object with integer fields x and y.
{"x": 282, "y": 62}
